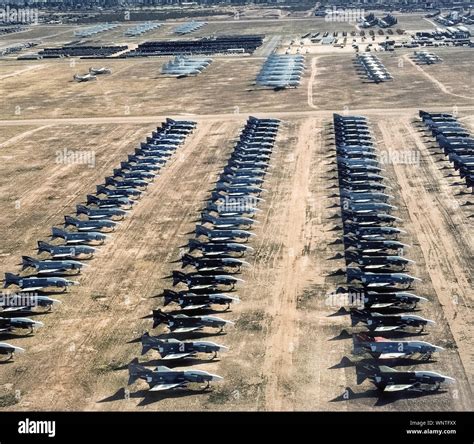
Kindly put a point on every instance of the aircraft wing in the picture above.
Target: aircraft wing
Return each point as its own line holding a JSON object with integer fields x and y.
{"x": 185, "y": 329}
{"x": 380, "y": 284}
{"x": 32, "y": 289}
{"x": 382, "y": 305}
{"x": 176, "y": 356}
{"x": 195, "y": 307}
{"x": 391, "y": 355}
{"x": 372, "y": 267}
{"x": 160, "y": 387}
{"x": 387, "y": 327}
{"x": 13, "y": 309}
{"x": 397, "y": 387}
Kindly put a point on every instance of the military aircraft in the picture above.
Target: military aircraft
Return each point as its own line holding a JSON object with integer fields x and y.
{"x": 390, "y": 380}
{"x": 370, "y": 262}
{"x": 382, "y": 348}
{"x": 218, "y": 248}
{"x": 111, "y": 202}
{"x": 200, "y": 281}
{"x": 61, "y": 251}
{"x": 101, "y": 213}
{"x": 379, "y": 279}
{"x": 90, "y": 225}
{"x": 52, "y": 267}
{"x": 163, "y": 378}
{"x": 131, "y": 193}
{"x": 90, "y": 237}
{"x": 9, "y": 324}
{"x": 15, "y": 303}
{"x": 213, "y": 263}
{"x": 391, "y": 322}
{"x": 170, "y": 349}
{"x": 37, "y": 283}
{"x": 227, "y": 221}
{"x": 222, "y": 234}
{"x": 8, "y": 349}
{"x": 188, "y": 300}
{"x": 99, "y": 71}
{"x": 85, "y": 78}
{"x": 185, "y": 324}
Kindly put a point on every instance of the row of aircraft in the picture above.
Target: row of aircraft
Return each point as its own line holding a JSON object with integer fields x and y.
{"x": 210, "y": 268}
{"x": 373, "y": 68}
{"x": 455, "y": 140}
{"x": 281, "y": 71}
{"x": 57, "y": 263}
{"x": 426, "y": 58}
{"x": 376, "y": 267}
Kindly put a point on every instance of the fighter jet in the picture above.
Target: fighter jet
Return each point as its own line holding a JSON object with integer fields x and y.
{"x": 37, "y": 283}
{"x": 214, "y": 263}
{"x": 101, "y": 213}
{"x": 15, "y": 303}
{"x": 379, "y": 279}
{"x": 227, "y": 222}
{"x": 163, "y": 378}
{"x": 391, "y": 299}
{"x": 90, "y": 237}
{"x": 223, "y": 235}
{"x": 61, "y": 251}
{"x": 382, "y": 348}
{"x": 185, "y": 324}
{"x": 130, "y": 193}
{"x": 10, "y": 350}
{"x": 218, "y": 248}
{"x": 99, "y": 71}
{"x": 171, "y": 349}
{"x": 111, "y": 202}
{"x": 90, "y": 225}
{"x": 188, "y": 300}
{"x": 380, "y": 322}
{"x": 390, "y": 380}
{"x": 52, "y": 267}
{"x": 9, "y": 324}
{"x": 84, "y": 78}
{"x": 371, "y": 262}
{"x": 201, "y": 281}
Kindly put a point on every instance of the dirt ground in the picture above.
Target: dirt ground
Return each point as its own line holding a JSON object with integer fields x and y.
{"x": 287, "y": 344}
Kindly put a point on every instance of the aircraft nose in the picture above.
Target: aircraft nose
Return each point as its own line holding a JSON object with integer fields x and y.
{"x": 428, "y": 321}
{"x": 38, "y": 324}
{"x": 216, "y": 378}
{"x": 19, "y": 350}
{"x": 438, "y": 348}
{"x": 223, "y": 348}
{"x": 449, "y": 380}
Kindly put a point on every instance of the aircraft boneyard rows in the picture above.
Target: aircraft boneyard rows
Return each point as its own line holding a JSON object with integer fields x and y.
{"x": 57, "y": 264}
{"x": 379, "y": 287}
{"x": 455, "y": 141}
{"x": 215, "y": 258}
{"x": 185, "y": 66}
{"x": 281, "y": 71}
{"x": 373, "y": 68}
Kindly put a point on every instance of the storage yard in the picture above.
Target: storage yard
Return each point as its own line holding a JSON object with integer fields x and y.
{"x": 285, "y": 338}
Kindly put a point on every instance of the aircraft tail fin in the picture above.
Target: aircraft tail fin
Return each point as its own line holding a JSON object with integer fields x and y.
{"x": 57, "y": 232}
{"x": 135, "y": 370}
{"x": 68, "y": 220}
{"x": 43, "y": 246}
{"x": 193, "y": 244}
{"x": 92, "y": 199}
{"x": 28, "y": 261}
{"x": 169, "y": 296}
{"x": 178, "y": 277}
{"x": 187, "y": 259}
{"x": 81, "y": 209}
{"x": 10, "y": 279}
